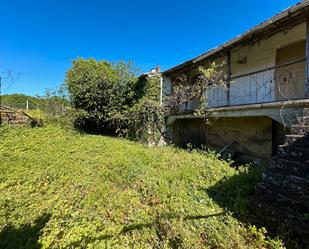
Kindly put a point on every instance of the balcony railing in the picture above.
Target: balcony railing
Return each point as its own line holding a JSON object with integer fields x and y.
{"x": 278, "y": 83}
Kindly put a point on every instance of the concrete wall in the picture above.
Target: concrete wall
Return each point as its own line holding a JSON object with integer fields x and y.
{"x": 252, "y": 136}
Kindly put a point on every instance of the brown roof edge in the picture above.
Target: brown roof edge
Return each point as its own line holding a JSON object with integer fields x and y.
{"x": 287, "y": 12}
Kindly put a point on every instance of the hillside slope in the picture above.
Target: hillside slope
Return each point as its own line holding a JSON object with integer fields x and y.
{"x": 61, "y": 189}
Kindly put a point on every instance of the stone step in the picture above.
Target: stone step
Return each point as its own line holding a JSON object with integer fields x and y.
{"x": 305, "y": 114}
{"x": 290, "y": 173}
{"x": 287, "y": 146}
{"x": 12, "y": 117}
{"x": 284, "y": 162}
{"x": 299, "y": 129}
{"x": 306, "y": 111}
{"x": 279, "y": 217}
{"x": 293, "y": 152}
{"x": 297, "y": 139}
{"x": 291, "y": 169}
{"x": 283, "y": 198}
{"x": 304, "y": 120}
{"x": 294, "y": 136}
{"x": 300, "y": 125}
{"x": 294, "y": 184}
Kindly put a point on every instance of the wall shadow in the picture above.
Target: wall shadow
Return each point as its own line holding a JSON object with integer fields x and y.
{"x": 25, "y": 236}
{"x": 235, "y": 193}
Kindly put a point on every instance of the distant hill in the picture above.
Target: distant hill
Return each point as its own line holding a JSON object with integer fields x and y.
{"x": 49, "y": 104}
{"x": 20, "y": 101}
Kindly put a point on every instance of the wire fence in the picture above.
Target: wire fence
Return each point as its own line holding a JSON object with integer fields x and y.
{"x": 54, "y": 107}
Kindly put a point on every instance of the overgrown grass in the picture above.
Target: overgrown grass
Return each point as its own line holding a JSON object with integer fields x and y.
{"x": 61, "y": 189}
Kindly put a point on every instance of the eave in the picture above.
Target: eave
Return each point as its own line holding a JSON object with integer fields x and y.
{"x": 289, "y": 17}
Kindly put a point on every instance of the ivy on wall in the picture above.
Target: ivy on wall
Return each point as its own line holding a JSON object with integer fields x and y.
{"x": 111, "y": 99}
{"x": 146, "y": 117}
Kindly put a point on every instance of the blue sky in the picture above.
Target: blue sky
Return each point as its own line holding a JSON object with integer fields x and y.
{"x": 39, "y": 39}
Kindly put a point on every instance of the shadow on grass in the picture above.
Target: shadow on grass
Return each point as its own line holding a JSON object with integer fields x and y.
{"x": 161, "y": 226}
{"x": 139, "y": 226}
{"x": 26, "y": 236}
{"x": 235, "y": 193}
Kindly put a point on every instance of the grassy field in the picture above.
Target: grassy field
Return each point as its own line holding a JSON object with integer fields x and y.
{"x": 61, "y": 189}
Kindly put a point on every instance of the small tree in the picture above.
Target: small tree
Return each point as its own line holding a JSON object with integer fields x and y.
{"x": 54, "y": 102}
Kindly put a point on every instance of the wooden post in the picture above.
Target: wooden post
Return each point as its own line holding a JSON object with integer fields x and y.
{"x": 307, "y": 58}
{"x": 228, "y": 72}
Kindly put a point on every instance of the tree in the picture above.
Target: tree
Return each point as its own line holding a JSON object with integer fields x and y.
{"x": 101, "y": 92}
{"x": 54, "y": 102}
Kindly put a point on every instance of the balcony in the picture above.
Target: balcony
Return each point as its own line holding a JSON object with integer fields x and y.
{"x": 277, "y": 84}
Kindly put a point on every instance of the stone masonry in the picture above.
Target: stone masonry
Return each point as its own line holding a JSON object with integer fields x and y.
{"x": 15, "y": 117}
{"x": 282, "y": 196}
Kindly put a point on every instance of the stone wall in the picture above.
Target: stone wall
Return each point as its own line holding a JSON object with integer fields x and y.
{"x": 282, "y": 198}
{"x": 15, "y": 117}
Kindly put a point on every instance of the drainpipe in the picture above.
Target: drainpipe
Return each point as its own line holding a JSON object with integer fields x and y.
{"x": 161, "y": 90}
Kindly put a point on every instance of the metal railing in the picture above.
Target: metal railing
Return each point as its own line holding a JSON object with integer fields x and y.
{"x": 272, "y": 84}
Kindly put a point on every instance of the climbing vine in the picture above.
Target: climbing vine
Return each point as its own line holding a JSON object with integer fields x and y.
{"x": 147, "y": 117}
{"x": 207, "y": 79}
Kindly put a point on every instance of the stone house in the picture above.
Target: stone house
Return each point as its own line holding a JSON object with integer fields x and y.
{"x": 268, "y": 90}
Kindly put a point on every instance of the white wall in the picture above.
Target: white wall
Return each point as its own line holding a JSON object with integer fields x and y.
{"x": 255, "y": 88}
{"x": 260, "y": 87}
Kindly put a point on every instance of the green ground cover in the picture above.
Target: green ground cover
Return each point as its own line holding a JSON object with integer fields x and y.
{"x": 62, "y": 189}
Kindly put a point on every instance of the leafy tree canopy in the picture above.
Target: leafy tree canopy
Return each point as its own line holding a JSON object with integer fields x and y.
{"x": 102, "y": 92}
